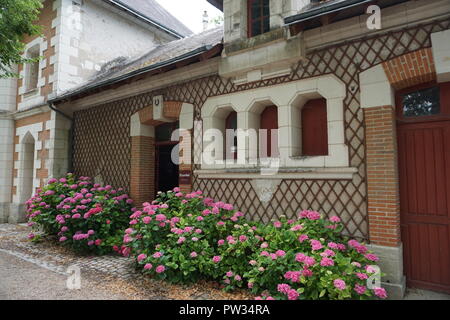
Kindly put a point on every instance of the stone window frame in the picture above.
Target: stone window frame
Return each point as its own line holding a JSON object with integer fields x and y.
{"x": 32, "y": 52}
{"x": 24, "y": 133}
{"x": 251, "y": 19}
{"x": 32, "y": 97}
{"x": 287, "y": 97}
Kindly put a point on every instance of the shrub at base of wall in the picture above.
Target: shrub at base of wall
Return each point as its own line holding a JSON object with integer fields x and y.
{"x": 185, "y": 237}
{"x": 81, "y": 215}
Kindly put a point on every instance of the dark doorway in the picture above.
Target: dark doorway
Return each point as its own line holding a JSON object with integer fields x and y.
{"x": 167, "y": 176}
{"x": 167, "y": 171}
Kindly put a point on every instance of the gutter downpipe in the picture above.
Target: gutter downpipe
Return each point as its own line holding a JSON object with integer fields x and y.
{"x": 71, "y": 135}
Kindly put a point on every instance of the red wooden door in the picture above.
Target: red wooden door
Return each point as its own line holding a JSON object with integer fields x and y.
{"x": 424, "y": 171}
{"x": 269, "y": 122}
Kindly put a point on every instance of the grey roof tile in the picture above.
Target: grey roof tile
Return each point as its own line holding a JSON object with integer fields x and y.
{"x": 122, "y": 66}
{"x": 154, "y": 11}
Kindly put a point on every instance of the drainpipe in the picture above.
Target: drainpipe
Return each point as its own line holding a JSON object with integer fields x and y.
{"x": 70, "y": 151}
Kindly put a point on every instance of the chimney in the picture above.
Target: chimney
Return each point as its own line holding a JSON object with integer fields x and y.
{"x": 205, "y": 20}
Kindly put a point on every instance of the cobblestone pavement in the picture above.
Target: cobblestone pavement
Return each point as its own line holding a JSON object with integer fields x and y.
{"x": 114, "y": 274}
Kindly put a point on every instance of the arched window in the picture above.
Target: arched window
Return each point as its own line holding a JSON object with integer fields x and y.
{"x": 269, "y": 122}
{"x": 314, "y": 128}
{"x": 27, "y": 169}
{"x": 231, "y": 137}
{"x": 258, "y": 17}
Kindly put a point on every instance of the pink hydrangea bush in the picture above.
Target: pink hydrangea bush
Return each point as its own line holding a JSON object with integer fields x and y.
{"x": 80, "y": 214}
{"x": 184, "y": 237}
{"x": 308, "y": 258}
{"x": 183, "y": 233}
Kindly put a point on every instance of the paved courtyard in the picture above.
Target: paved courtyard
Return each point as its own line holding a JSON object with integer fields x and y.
{"x": 39, "y": 271}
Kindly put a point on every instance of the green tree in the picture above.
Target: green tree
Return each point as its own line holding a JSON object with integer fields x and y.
{"x": 17, "y": 18}
{"x": 217, "y": 21}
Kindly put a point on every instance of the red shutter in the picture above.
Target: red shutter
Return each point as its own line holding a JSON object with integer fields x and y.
{"x": 231, "y": 124}
{"x": 269, "y": 121}
{"x": 315, "y": 128}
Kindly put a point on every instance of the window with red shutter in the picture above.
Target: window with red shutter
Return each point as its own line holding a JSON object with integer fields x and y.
{"x": 269, "y": 122}
{"x": 258, "y": 17}
{"x": 231, "y": 146}
{"x": 315, "y": 128}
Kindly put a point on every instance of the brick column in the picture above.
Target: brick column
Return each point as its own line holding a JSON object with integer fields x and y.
{"x": 185, "y": 169}
{"x": 382, "y": 176}
{"x": 142, "y": 184}
{"x": 142, "y": 171}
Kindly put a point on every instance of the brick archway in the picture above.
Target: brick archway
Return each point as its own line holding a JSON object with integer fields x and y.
{"x": 142, "y": 133}
{"x": 378, "y": 87}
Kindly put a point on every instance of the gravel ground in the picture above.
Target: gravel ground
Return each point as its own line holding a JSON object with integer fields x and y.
{"x": 23, "y": 280}
{"x": 39, "y": 271}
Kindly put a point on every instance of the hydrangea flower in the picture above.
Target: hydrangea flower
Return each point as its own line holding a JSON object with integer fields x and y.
{"x": 380, "y": 293}
{"x": 160, "y": 269}
{"x": 326, "y": 262}
{"x": 360, "y": 289}
{"x": 339, "y": 284}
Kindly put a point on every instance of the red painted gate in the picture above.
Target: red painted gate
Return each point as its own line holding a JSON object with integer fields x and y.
{"x": 423, "y": 130}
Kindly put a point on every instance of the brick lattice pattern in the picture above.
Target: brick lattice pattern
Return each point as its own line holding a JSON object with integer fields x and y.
{"x": 102, "y": 134}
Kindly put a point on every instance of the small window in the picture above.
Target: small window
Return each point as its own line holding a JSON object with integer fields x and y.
{"x": 258, "y": 17}
{"x": 230, "y": 136}
{"x": 32, "y": 69}
{"x": 269, "y": 122}
{"x": 425, "y": 102}
{"x": 315, "y": 128}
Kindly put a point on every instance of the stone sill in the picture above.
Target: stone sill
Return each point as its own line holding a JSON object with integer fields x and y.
{"x": 264, "y": 39}
{"x": 345, "y": 173}
{"x": 30, "y": 92}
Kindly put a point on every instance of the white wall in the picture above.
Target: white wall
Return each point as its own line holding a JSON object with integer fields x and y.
{"x": 6, "y": 158}
{"x": 89, "y": 36}
{"x": 8, "y": 92}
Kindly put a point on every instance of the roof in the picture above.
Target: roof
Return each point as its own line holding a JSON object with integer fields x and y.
{"x": 315, "y": 9}
{"x": 154, "y": 13}
{"x": 217, "y": 3}
{"x": 160, "y": 57}
{"x": 337, "y": 9}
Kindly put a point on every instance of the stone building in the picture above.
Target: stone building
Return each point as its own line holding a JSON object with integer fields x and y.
{"x": 81, "y": 39}
{"x": 361, "y": 113}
